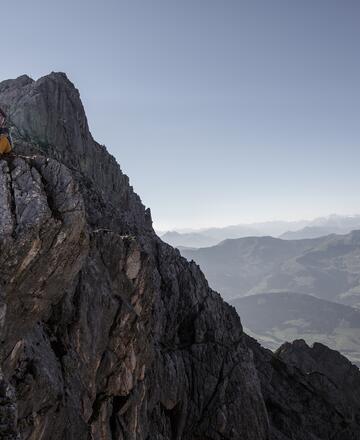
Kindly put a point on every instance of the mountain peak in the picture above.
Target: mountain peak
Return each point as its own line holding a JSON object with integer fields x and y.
{"x": 48, "y": 118}
{"x": 48, "y": 110}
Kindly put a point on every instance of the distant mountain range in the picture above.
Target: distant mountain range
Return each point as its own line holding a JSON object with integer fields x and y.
{"x": 326, "y": 267}
{"x": 259, "y": 274}
{"x": 333, "y": 224}
{"x": 188, "y": 239}
{"x": 274, "y": 318}
{"x": 320, "y": 227}
{"x": 312, "y": 232}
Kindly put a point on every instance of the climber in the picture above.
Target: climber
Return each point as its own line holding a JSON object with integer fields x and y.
{"x": 5, "y": 137}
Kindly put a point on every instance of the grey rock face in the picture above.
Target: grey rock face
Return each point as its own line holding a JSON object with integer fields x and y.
{"x": 321, "y": 362}
{"x": 106, "y": 332}
{"x": 309, "y": 399}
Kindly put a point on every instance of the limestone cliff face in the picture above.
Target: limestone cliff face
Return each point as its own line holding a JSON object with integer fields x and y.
{"x": 106, "y": 332}
{"x": 309, "y": 392}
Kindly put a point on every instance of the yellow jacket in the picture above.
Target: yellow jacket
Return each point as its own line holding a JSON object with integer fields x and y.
{"x": 5, "y": 145}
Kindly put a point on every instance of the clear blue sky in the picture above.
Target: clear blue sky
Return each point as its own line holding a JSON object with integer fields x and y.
{"x": 220, "y": 111}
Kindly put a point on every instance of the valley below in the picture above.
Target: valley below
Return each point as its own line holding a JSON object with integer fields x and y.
{"x": 276, "y": 318}
{"x": 290, "y": 289}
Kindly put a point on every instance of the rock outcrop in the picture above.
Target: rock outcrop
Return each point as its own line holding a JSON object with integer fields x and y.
{"x": 107, "y": 332}
{"x": 310, "y": 393}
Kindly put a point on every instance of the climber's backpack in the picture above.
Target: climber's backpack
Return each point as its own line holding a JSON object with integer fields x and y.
{"x": 5, "y": 141}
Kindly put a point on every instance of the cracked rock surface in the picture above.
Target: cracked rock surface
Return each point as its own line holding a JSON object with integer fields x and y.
{"x": 107, "y": 332}
{"x": 309, "y": 392}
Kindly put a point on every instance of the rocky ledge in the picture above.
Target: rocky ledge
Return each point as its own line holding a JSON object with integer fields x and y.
{"x": 107, "y": 332}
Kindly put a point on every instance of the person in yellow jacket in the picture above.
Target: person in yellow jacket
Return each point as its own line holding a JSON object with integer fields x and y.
{"x": 5, "y": 138}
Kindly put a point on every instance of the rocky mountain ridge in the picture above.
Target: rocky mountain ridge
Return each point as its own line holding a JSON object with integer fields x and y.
{"x": 107, "y": 332}
{"x": 287, "y": 230}
{"x": 327, "y": 267}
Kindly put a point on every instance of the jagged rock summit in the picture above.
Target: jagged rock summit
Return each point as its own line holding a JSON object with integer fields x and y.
{"x": 108, "y": 333}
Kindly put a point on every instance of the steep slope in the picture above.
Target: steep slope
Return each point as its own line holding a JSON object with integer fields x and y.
{"x": 274, "y": 318}
{"x": 310, "y": 392}
{"x": 327, "y": 267}
{"x": 106, "y": 332}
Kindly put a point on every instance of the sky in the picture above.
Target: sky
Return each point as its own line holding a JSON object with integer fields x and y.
{"x": 220, "y": 111}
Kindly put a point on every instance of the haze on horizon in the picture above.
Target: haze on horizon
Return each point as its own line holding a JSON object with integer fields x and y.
{"x": 220, "y": 112}
{"x": 293, "y": 223}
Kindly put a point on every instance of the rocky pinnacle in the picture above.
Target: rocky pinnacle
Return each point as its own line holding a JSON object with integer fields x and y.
{"x": 108, "y": 333}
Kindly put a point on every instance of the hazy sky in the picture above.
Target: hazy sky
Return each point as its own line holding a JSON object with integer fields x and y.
{"x": 220, "y": 111}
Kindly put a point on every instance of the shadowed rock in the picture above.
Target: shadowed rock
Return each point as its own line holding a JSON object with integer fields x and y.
{"x": 108, "y": 333}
